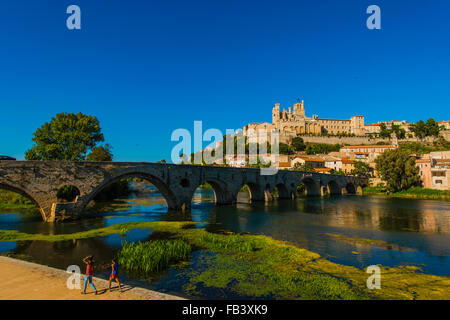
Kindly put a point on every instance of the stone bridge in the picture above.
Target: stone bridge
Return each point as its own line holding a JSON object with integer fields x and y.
{"x": 41, "y": 180}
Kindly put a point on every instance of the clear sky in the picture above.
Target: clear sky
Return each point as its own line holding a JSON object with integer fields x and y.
{"x": 146, "y": 68}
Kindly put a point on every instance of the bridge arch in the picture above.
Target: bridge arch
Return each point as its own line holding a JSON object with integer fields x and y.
{"x": 220, "y": 188}
{"x": 166, "y": 192}
{"x": 283, "y": 191}
{"x": 25, "y": 194}
{"x": 350, "y": 188}
{"x": 311, "y": 186}
{"x": 255, "y": 191}
{"x": 333, "y": 188}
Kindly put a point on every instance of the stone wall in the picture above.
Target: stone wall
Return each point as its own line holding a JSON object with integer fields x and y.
{"x": 354, "y": 140}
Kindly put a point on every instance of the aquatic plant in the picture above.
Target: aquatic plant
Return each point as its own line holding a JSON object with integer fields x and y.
{"x": 231, "y": 242}
{"x": 153, "y": 256}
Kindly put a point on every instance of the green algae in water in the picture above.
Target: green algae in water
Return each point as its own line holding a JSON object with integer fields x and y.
{"x": 261, "y": 267}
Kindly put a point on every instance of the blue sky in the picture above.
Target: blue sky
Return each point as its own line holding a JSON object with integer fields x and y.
{"x": 146, "y": 68}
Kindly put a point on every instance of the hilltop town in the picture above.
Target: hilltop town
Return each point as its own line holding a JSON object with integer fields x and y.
{"x": 348, "y": 146}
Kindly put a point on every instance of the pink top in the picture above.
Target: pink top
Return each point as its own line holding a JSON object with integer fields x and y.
{"x": 90, "y": 270}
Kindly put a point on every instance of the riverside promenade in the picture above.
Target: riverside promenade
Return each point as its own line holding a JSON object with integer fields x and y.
{"x": 21, "y": 280}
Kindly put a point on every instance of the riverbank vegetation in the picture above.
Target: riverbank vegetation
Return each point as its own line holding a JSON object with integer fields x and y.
{"x": 153, "y": 256}
{"x": 414, "y": 193}
{"x": 13, "y": 201}
{"x": 259, "y": 266}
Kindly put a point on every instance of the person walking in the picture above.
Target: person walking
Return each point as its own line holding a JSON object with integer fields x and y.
{"x": 89, "y": 261}
{"x": 114, "y": 274}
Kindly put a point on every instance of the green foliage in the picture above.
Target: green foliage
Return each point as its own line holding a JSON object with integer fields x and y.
{"x": 67, "y": 136}
{"x": 153, "y": 256}
{"x": 285, "y": 149}
{"x": 398, "y": 169}
{"x": 423, "y": 193}
{"x": 301, "y": 189}
{"x": 338, "y": 172}
{"x": 321, "y": 148}
{"x": 228, "y": 243}
{"x": 400, "y": 133}
{"x": 422, "y": 148}
{"x": 414, "y": 192}
{"x": 298, "y": 144}
{"x": 361, "y": 169}
{"x": 425, "y": 129}
{"x": 374, "y": 190}
{"x": 101, "y": 153}
{"x": 13, "y": 200}
{"x": 67, "y": 193}
{"x": 395, "y": 128}
{"x": 384, "y": 132}
{"x": 307, "y": 167}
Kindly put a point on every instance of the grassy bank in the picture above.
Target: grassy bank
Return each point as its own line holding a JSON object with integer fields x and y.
{"x": 414, "y": 193}
{"x": 259, "y": 266}
{"x": 14, "y": 201}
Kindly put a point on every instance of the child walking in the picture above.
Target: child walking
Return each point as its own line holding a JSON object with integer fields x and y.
{"x": 114, "y": 274}
{"x": 89, "y": 261}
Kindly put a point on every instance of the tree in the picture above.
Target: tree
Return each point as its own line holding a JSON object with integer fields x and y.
{"x": 67, "y": 136}
{"x": 432, "y": 128}
{"x": 298, "y": 144}
{"x": 101, "y": 153}
{"x": 425, "y": 129}
{"x": 361, "y": 169}
{"x": 384, "y": 131}
{"x": 285, "y": 149}
{"x": 400, "y": 133}
{"x": 398, "y": 169}
{"x": 321, "y": 148}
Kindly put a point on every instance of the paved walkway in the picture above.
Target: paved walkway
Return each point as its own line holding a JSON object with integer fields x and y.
{"x": 21, "y": 280}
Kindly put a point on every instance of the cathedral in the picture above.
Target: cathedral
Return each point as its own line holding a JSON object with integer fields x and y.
{"x": 294, "y": 121}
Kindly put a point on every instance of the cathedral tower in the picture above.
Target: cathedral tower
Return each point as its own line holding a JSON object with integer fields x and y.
{"x": 276, "y": 115}
{"x": 299, "y": 109}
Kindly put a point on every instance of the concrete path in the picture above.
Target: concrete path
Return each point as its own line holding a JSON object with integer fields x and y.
{"x": 21, "y": 280}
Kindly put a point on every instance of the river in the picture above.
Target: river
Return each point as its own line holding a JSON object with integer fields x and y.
{"x": 415, "y": 232}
